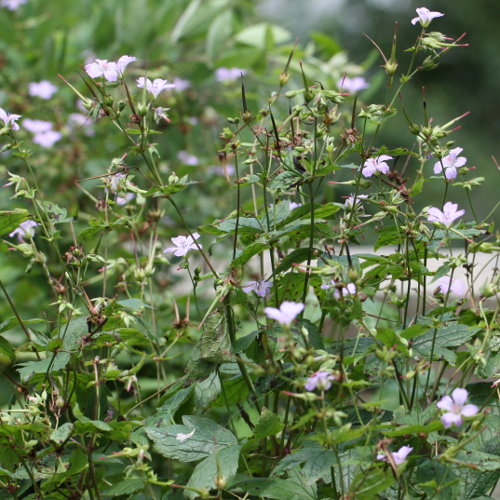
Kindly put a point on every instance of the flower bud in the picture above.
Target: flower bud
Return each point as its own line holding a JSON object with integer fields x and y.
{"x": 390, "y": 67}
{"x": 284, "y": 77}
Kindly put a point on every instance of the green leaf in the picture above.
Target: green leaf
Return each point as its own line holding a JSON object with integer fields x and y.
{"x": 11, "y": 219}
{"x": 295, "y": 257}
{"x": 257, "y": 34}
{"x": 198, "y": 438}
{"x": 367, "y": 483}
{"x": 221, "y": 465}
{"x": 125, "y": 487}
{"x": 62, "y": 433}
{"x": 245, "y": 255}
{"x": 6, "y": 350}
{"x": 269, "y": 424}
{"x": 48, "y": 365}
{"x": 218, "y": 33}
{"x": 278, "y": 489}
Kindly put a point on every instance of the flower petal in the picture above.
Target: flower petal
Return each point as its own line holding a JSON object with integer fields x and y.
{"x": 445, "y": 403}
{"x": 470, "y": 410}
{"x": 459, "y": 396}
{"x": 449, "y": 419}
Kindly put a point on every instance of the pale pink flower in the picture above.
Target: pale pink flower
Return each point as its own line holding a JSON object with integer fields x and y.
{"x": 155, "y": 87}
{"x": 183, "y": 244}
{"x": 12, "y": 4}
{"x": 9, "y": 119}
{"x": 322, "y": 381}
{"x": 425, "y": 16}
{"x": 398, "y": 457}
{"x": 43, "y": 89}
{"x": 187, "y": 158}
{"x": 352, "y": 85}
{"x": 286, "y": 313}
{"x": 261, "y": 288}
{"x": 228, "y": 74}
{"x": 379, "y": 164}
{"x": 123, "y": 200}
{"x": 350, "y": 200}
{"x": 456, "y": 408}
{"x": 123, "y": 62}
{"x": 292, "y": 205}
{"x": 25, "y": 229}
{"x": 450, "y": 163}
{"x": 180, "y": 84}
{"x": 103, "y": 67}
{"x": 47, "y": 139}
{"x": 447, "y": 216}
{"x": 37, "y": 126}
{"x": 161, "y": 114}
{"x": 456, "y": 287}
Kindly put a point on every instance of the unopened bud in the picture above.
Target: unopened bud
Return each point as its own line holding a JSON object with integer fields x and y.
{"x": 284, "y": 77}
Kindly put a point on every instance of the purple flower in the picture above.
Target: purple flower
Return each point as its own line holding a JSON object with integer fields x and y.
{"x": 103, "y": 67}
{"x": 12, "y": 4}
{"x": 456, "y": 408}
{"x": 398, "y": 457}
{"x": 180, "y": 84}
{"x": 25, "y": 229}
{"x": 123, "y": 62}
{"x": 286, "y": 313}
{"x": 9, "y": 120}
{"x": 183, "y": 244}
{"x": 292, "y": 205}
{"x": 154, "y": 87}
{"x": 47, "y": 139}
{"x": 322, "y": 381}
{"x": 261, "y": 288}
{"x": 187, "y": 158}
{"x": 447, "y": 216}
{"x": 379, "y": 164}
{"x": 350, "y": 200}
{"x": 123, "y": 200}
{"x": 349, "y": 289}
{"x": 425, "y": 16}
{"x": 228, "y": 74}
{"x": 37, "y": 126}
{"x": 450, "y": 163}
{"x": 445, "y": 284}
{"x": 352, "y": 85}
{"x": 43, "y": 89}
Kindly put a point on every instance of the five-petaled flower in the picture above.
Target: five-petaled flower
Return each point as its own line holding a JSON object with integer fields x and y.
{"x": 156, "y": 86}
{"x": 456, "y": 408}
{"x": 25, "y": 229}
{"x": 261, "y": 288}
{"x": 322, "y": 381}
{"x": 183, "y": 244}
{"x": 425, "y": 16}
{"x": 379, "y": 164}
{"x": 9, "y": 119}
{"x": 352, "y": 85}
{"x": 450, "y": 163}
{"x": 286, "y": 313}
{"x": 446, "y": 284}
{"x": 398, "y": 457}
{"x": 447, "y": 216}
{"x": 43, "y": 89}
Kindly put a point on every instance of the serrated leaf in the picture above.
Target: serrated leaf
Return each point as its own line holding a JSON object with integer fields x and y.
{"x": 62, "y": 433}
{"x": 269, "y": 424}
{"x": 221, "y": 465}
{"x": 49, "y": 364}
{"x": 198, "y": 438}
